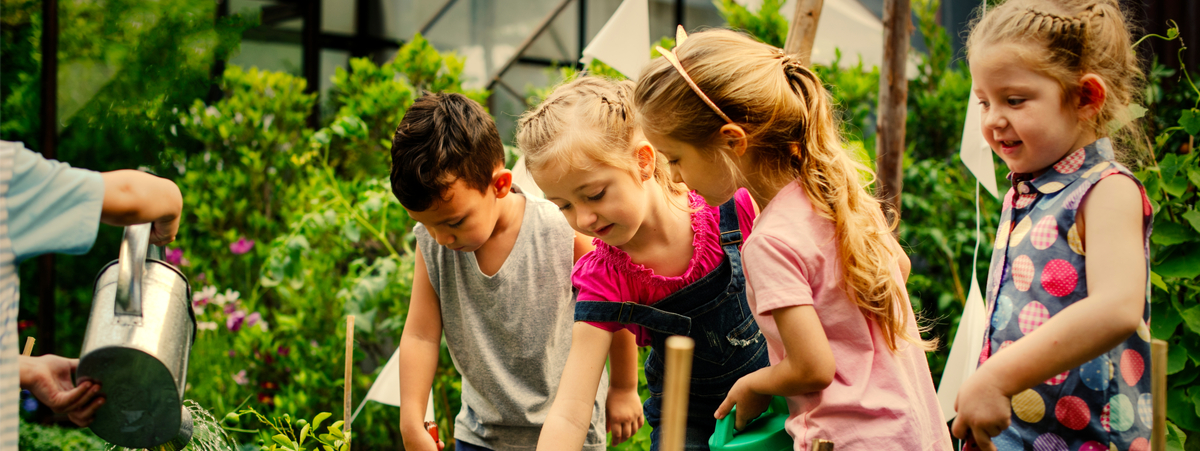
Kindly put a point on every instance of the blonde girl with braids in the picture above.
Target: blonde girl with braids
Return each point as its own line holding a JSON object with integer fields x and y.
{"x": 665, "y": 263}
{"x": 1064, "y": 364}
{"x": 826, "y": 277}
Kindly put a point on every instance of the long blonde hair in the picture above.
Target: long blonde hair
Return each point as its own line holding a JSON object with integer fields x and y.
{"x": 792, "y": 135}
{"x": 1067, "y": 39}
{"x": 583, "y": 122}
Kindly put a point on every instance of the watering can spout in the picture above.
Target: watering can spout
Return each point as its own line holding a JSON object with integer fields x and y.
{"x": 136, "y": 347}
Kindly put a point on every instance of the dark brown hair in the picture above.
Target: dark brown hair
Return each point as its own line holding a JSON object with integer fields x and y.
{"x": 443, "y": 138}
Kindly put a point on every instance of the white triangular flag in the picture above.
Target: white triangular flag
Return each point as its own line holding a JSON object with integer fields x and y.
{"x": 964, "y": 353}
{"x": 386, "y": 388}
{"x": 624, "y": 42}
{"x": 975, "y": 152}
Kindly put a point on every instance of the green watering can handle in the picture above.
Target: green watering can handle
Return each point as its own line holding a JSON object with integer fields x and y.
{"x": 725, "y": 427}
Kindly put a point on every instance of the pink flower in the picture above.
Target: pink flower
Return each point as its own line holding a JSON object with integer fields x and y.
{"x": 174, "y": 256}
{"x": 235, "y": 320}
{"x": 240, "y": 378}
{"x": 284, "y": 351}
{"x": 241, "y": 246}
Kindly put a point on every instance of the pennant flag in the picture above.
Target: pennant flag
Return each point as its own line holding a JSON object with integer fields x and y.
{"x": 624, "y": 42}
{"x": 386, "y": 389}
{"x": 523, "y": 179}
{"x": 975, "y": 152}
{"x": 964, "y": 354}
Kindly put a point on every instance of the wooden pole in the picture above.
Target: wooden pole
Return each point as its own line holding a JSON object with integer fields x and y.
{"x": 49, "y": 146}
{"x": 893, "y": 100}
{"x": 1158, "y": 390}
{"x": 677, "y": 381}
{"x": 349, "y": 373}
{"x": 803, "y": 30}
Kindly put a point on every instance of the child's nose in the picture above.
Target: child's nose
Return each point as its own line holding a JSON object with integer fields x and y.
{"x": 676, "y": 176}
{"x": 444, "y": 239}
{"x": 584, "y": 217}
{"x": 994, "y": 120}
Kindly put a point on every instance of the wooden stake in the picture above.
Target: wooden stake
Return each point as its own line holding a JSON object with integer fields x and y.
{"x": 893, "y": 105}
{"x": 1158, "y": 390}
{"x": 803, "y": 30}
{"x": 349, "y": 373}
{"x": 28, "y": 346}
{"x": 677, "y": 381}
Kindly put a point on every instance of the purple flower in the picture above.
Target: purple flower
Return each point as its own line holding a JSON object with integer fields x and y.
{"x": 284, "y": 351}
{"x": 231, "y": 308}
{"x": 241, "y": 246}
{"x": 175, "y": 256}
{"x": 201, "y": 278}
{"x": 253, "y": 319}
{"x": 231, "y": 353}
{"x": 235, "y": 320}
{"x": 30, "y": 404}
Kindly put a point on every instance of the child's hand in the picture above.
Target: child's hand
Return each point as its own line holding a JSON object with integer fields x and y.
{"x": 48, "y": 377}
{"x": 420, "y": 440}
{"x": 162, "y": 232}
{"x": 623, "y": 414}
{"x": 749, "y": 404}
{"x": 983, "y": 412}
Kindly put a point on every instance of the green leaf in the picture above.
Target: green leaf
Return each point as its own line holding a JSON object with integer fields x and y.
{"x": 1176, "y": 359}
{"x": 1157, "y": 281}
{"x": 1191, "y": 317}
{"x": 1164, "y": 321}
{"x": 1175, "y": 437}
{"x": 350, "y": 230}
{"x": 1190, "y": 121}
{"x": 1184, "y": 378}
{"x": 303, "y": 434}
{"x": 1169, "y": 233}
{"x": 1181, "y": 410}
{"x": 1193, "y": 218}
{"x": 283, "y": 440}
{"x": 1181, "y": 264}
{"x": 316, "y": 422}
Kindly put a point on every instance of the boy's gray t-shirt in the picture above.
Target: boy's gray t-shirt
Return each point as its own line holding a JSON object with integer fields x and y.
{"x": 509, "y": 334}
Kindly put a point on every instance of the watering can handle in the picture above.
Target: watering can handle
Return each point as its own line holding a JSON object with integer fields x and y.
{"x": 131, "y": 266}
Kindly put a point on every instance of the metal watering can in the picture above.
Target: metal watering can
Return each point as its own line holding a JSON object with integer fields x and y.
{"x": 136, "y": 347}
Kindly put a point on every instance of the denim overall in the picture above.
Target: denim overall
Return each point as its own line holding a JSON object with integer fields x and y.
{"x": 713, "y": 312}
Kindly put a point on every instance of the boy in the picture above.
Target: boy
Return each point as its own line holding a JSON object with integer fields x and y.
{"x": 493, "y": 271}
{"x": 48, "y": 206}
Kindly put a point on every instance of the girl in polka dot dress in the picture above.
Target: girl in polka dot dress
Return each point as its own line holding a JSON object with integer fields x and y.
{"x": 1066, "y": 361}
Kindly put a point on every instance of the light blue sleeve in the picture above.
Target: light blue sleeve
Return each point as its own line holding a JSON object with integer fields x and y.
{"x": 52, "y": 207}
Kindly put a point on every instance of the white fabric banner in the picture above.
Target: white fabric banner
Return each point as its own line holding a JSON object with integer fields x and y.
{"x": 964, "y": 355}
{"x": 624, "y": 42}
{"x": 975, "y": 152}
{"x": 386, "y": 389}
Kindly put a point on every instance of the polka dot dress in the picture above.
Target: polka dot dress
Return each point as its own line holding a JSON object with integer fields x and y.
{"x": 1037, "y": 271}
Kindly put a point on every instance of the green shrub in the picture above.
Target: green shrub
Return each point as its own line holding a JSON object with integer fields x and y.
{"x": 37, "y": 437}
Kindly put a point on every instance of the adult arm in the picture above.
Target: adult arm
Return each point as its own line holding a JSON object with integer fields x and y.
{"x": 48, "y": 377}
{"x": 1116, "y": 284}
{"x": 420, "y": 345}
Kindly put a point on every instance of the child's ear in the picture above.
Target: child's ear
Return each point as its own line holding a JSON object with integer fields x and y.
{"x": 1092, "y": 94}
{"x": 647, "y": 159}
{"x": 502, "y": 181}
{"x": 735, "y": 139}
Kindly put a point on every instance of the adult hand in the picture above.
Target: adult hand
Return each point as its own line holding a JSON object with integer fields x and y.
{"x": 163, "y": 231}
{"x": 623, "y": 414}
{"x": 983, "y": 412}
{"x": 48, "y": 377}
{"x": 749, "y": 403}
{"x": 418, "y": 438}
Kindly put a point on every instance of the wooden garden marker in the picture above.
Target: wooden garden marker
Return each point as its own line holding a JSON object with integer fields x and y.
{"x": 821, "y": 445}
{"x": 1158, "y": 390}
{"x": 28, "y": 347}
{"x": 803, "y": 30}
{"x": 677, "y": 381}
{"x": 349, "y": 372}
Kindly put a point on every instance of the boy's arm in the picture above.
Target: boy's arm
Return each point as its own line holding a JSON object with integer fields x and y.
{"x": 583, "y": 245}
{"x": 623, "y": 408}
{"x": 420, "y": 345}
{"x": 135, "y": 197}
{"x": 569, "y": 418}
{"x": 1116, "y": 284}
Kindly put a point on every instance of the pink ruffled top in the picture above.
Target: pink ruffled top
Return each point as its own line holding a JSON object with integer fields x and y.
{"x": 609, "y": 274}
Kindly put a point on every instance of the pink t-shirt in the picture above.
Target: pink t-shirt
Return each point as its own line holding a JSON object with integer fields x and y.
{"x": 608, "y": 274}
{"x": 878, "y": 400}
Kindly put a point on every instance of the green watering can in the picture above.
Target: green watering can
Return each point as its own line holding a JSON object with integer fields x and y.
{"x": 765, "y": 433}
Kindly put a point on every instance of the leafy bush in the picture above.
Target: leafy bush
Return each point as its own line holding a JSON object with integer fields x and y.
{"x": 36, "y": 437}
